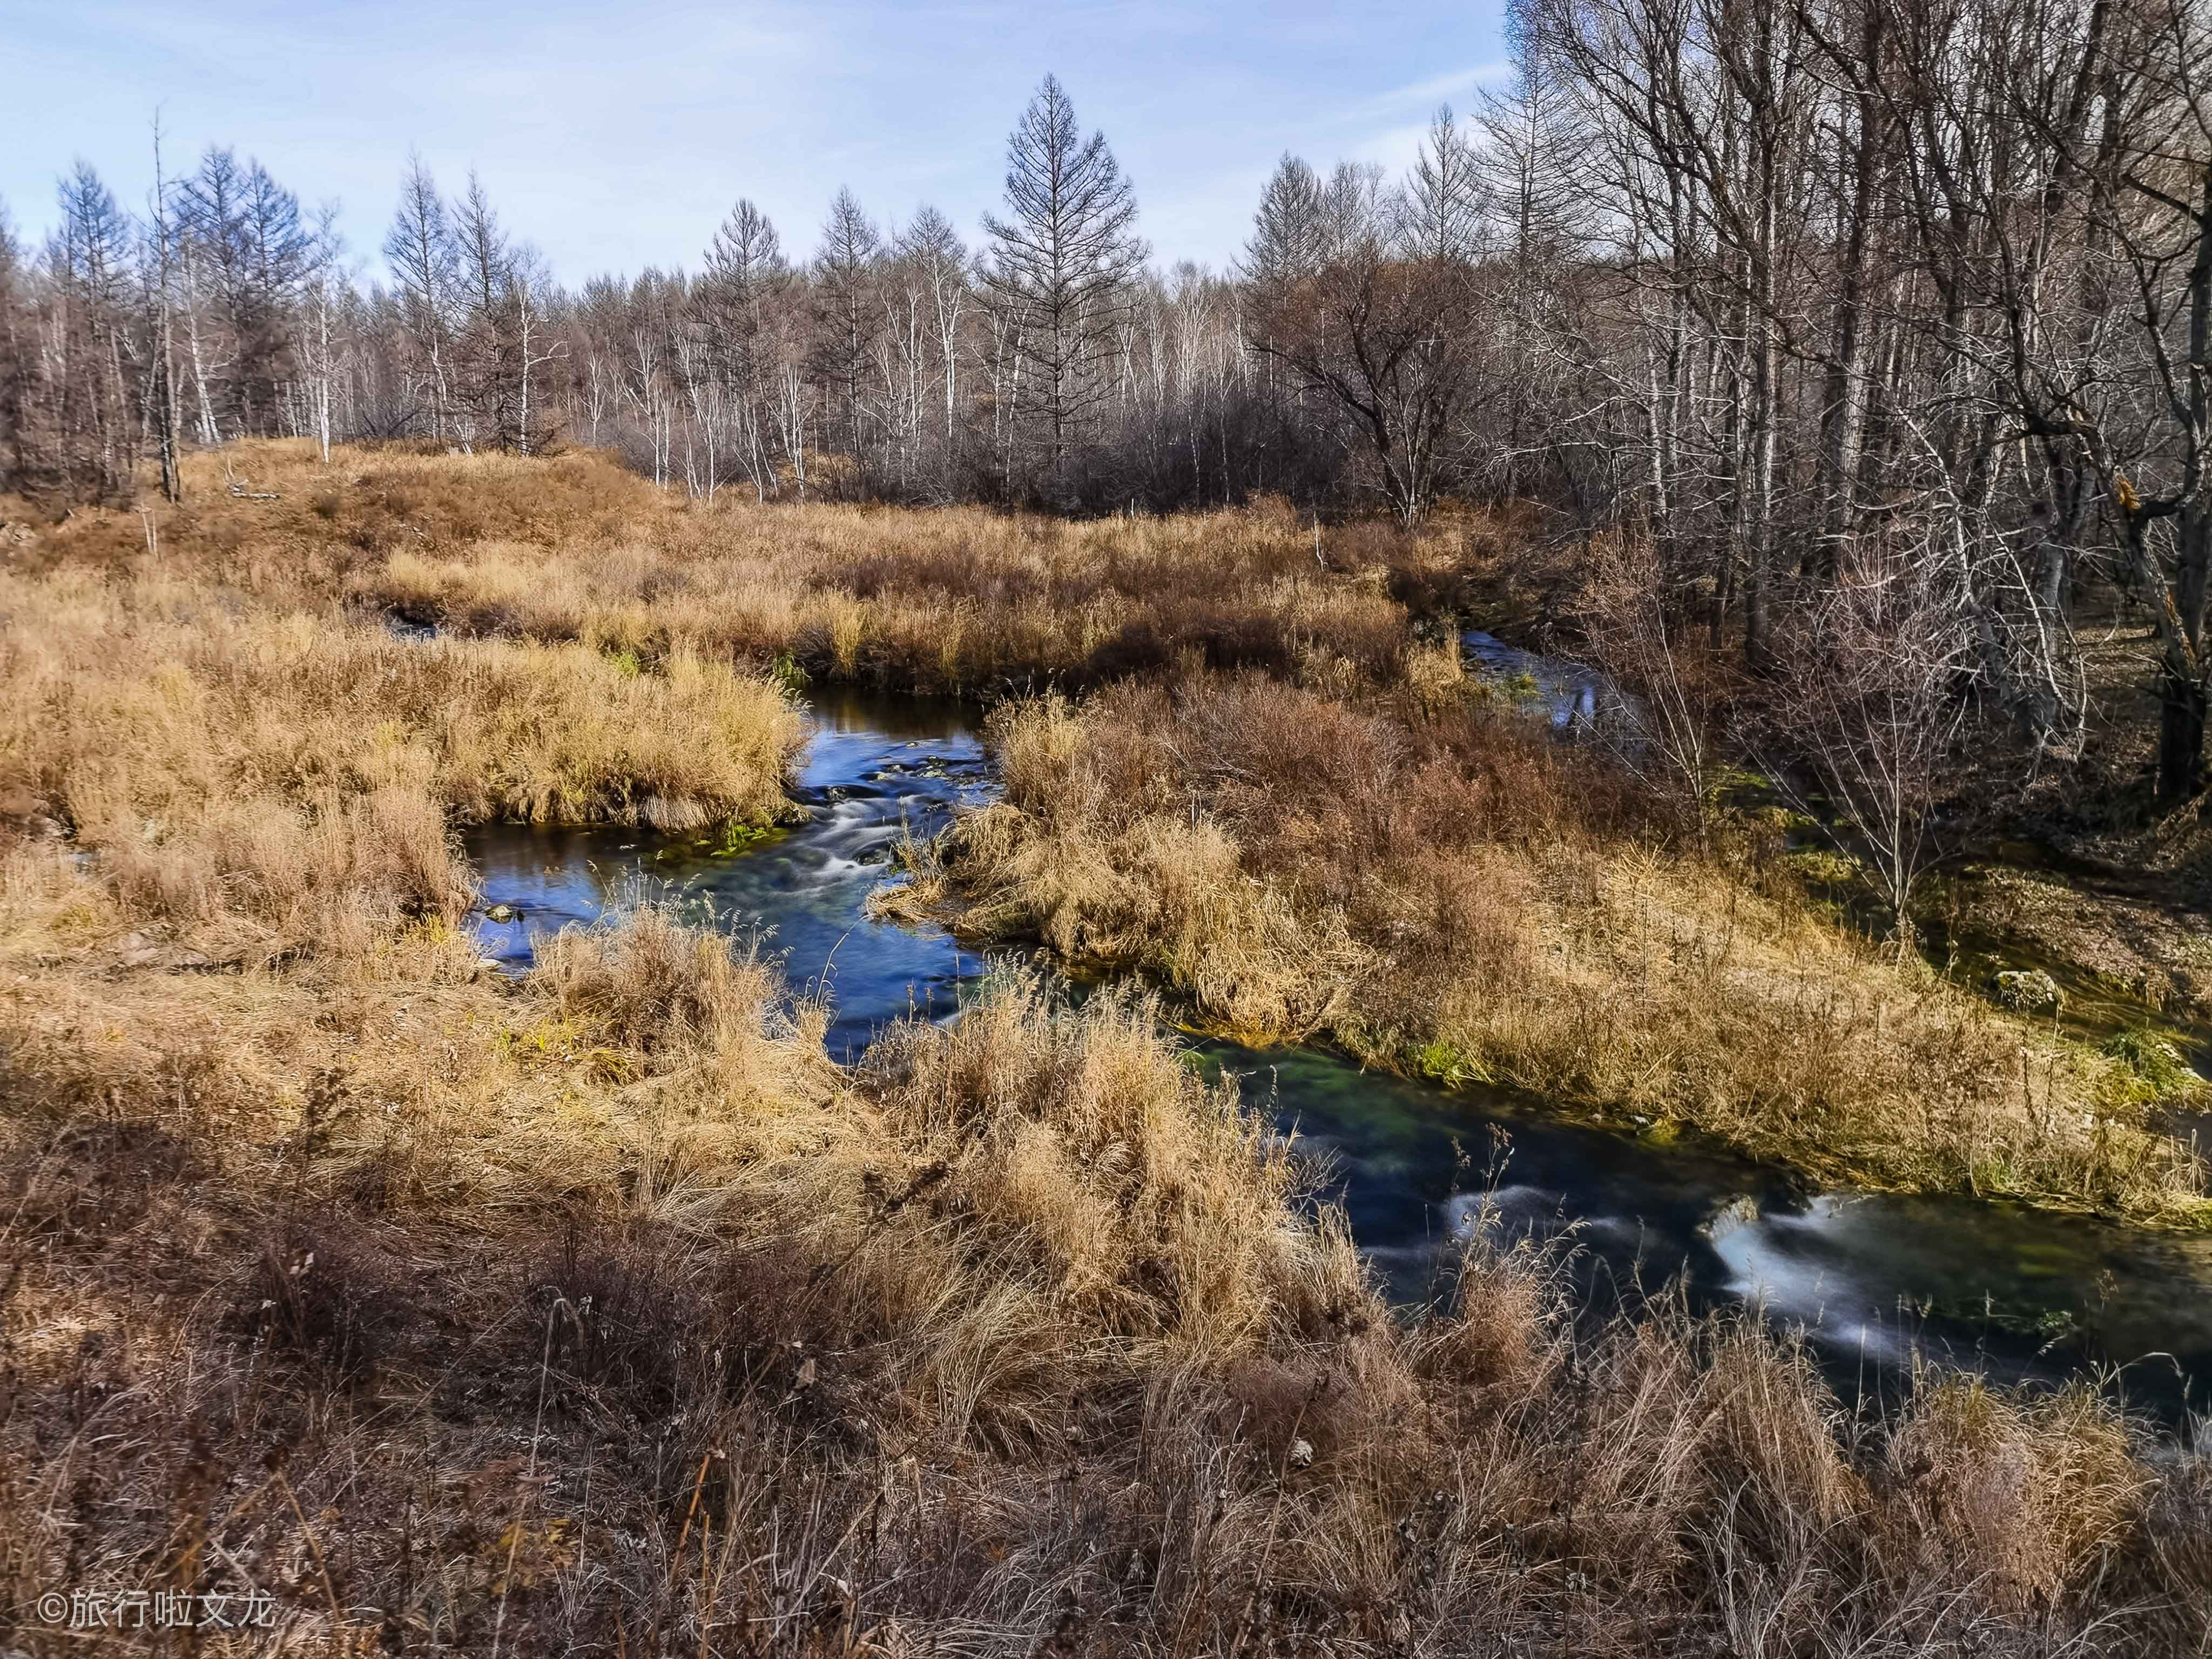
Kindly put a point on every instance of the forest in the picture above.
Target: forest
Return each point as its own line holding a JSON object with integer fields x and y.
{"x": 1872, "y": 331}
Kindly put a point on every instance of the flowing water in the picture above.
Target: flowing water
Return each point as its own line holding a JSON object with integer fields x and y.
{"x": 1871, "y": 1278}
{"x": 877, "y": 769}
{"x": 1570, "y": 696}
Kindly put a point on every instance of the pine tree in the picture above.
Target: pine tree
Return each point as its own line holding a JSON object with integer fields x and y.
{"x": 1061, "y": 264}
{"x": 419, "y": 248}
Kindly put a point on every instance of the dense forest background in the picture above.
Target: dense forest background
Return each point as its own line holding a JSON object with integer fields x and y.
{"x": 1853, "y": 345}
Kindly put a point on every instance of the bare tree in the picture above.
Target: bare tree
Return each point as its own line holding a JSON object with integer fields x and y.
{"x": 1387, "y": 326}
{"x": 1874, "y": 669}
{"x": 532, "y": 303}
{"x": 1060, "y": 264}
{"x": 88, "y": 258}
{"x": 934, "y": 246}
{"x": 848, "y": 318}
{"x": 1671, "y": 730}
{"x": 1440, "y": 214}
{"x": 1291, "y": 232}
{"x": 739, "y": 301}
{"x": 323, "y": 337}
{"x": 14, "y": 356}
{"x": 486, "y": 371}
{"x": 164, "y": 362}
{"x": 247, "y": 257}
{"x": 1528, "y": 138}
{"x": 419, "y": 248}
{"x": 2148, "y": 165}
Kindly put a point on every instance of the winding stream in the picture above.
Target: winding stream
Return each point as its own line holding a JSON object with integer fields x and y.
{"x": 1872, "y": 1278}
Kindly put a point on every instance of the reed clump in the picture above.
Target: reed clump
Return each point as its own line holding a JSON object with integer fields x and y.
{"x": 1455, "y": 896}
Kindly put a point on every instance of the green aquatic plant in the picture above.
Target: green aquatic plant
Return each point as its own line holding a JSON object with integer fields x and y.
{"x": 1993, "y": 1176}
{"x": 735, "y": 837}
{"x": 2057, "y": 1327}
{"x": 1520, "y": 690}
{"x": 1445, "y": 1062}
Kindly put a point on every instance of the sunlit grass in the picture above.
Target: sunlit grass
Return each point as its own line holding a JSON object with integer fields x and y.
{"x": 596, "y": 1307}
{"x": 1447, "y": 900}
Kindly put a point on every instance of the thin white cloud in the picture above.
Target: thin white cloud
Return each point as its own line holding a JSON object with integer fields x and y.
{"x": 616, "y": 149}
{"x": 1428, "y": 92}
{"x": 1394, "y": 148}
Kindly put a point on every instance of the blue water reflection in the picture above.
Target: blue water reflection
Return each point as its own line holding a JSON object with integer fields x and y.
{"x": 1872, "y": 1279}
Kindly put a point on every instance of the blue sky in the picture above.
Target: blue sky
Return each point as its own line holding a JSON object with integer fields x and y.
{"x": 617, "y": 137}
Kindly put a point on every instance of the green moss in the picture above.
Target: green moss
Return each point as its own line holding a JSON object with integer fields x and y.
{"x": 2155, "y": 1069}
{"x": 1737, "y": 777}
{"x": 1780, "y": 820}
{"x": 1824, "y": 866}
{"x": 2026, "y": 991}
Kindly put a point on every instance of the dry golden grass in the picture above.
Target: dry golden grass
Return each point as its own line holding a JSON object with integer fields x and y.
{"x": 277, "y": 776}
{"x": 1447, "y": 897}
{"x": 577, "y": 549}
{"x": 598, "y": 1312}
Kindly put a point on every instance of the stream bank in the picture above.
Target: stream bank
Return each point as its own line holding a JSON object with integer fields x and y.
{"x": 1873, "y": 1279}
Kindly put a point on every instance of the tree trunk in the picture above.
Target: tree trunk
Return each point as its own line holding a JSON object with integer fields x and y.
{"x": 2181, "y": 691}
{"x": 1844, "y": 402}
{"x": 2180, "y": 736}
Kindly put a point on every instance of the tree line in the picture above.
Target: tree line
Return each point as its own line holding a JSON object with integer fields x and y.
{"x": 1050, "y": 364}
{"x": 1841, "y": 331}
